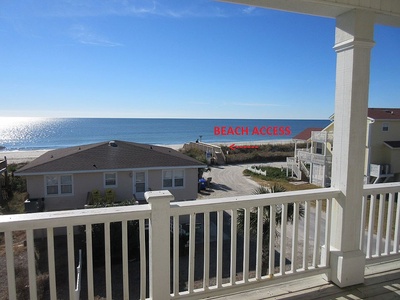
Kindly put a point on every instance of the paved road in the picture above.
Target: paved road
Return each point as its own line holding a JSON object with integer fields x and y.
{"x": 228, "y": 181}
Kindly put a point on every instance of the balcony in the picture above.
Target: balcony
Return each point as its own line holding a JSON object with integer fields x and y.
{"x": 136, "y": 252}
{"x": 314, "y": 158}
{"x": 322, "y": 136}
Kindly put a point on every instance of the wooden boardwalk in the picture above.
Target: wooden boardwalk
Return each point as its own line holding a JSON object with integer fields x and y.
{"x": 382, "y": 281}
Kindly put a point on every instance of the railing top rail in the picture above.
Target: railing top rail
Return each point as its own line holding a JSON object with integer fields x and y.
{"x": 73, "y": 217}
{"x": 381, "y": 188}
{"x": 187, "y": 207}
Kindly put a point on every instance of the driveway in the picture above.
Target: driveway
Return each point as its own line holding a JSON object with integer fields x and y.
{"x": 228, "y": 181}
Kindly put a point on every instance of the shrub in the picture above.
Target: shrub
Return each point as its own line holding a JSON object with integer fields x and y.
{"x": 265, "y": 153}
{"x": 196, "y": 154}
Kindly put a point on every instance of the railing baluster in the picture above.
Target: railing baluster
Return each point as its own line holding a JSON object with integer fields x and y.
{"x": 192, "y": 246}
{"x": 125, "y": 259}
{"x": 259, "y": 256}
{"x": 246, "y": 245}
{"x": 71, "y": 261}
{"x": 233, "y": 246}
{"x": 220, "y": 242}
{"x": 89, "y": 262}
{"x": 306, "y": 234}
{"x": 31, "y": 263}
{"x": 107, "y": 252}
{"x": 176, "y": 248}
{"x": 389, "y": 224}
{"x": 206, "y": 267}
{"x": 363, "y": 217}
{"x": 295, "y": 236}
{"x": 142, "y": 245}
{"x": 283, "y": 238}
{"x": 328, "y": 215}
{"x": 317, "y": 224}
{"x": 397, "y": 227}
{"x": 8, "y": 239}
{"x": 370, "y": 226}
{"x": 51, "y": 262}
{"x": 272, "y": 230}
{"x": 378, "y": 245}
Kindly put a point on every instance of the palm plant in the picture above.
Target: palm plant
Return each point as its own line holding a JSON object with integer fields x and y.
{"x": 266, "y": 219}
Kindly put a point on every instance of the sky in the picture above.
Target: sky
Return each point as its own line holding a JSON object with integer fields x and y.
{"x": 176, "y": 59}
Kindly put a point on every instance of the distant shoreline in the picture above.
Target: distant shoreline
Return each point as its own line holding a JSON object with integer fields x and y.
{"x": 25, "y": 156}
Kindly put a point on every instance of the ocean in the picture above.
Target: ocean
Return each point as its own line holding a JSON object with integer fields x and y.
{"x": 52, "y": 133}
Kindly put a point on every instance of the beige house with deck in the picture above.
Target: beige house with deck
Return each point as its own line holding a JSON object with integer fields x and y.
{"x": 382, "y": 150}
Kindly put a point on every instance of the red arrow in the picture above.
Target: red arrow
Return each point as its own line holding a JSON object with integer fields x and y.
{"x": 233, "y": 147}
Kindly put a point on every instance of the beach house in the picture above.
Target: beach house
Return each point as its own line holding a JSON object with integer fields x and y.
{"x": 382, "y": 155}
{"x": 112, "y": 171}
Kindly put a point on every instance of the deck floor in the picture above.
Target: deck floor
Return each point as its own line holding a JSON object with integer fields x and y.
{"x": 382, "y": 281}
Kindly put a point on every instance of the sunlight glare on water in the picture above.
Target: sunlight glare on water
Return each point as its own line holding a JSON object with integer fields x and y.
{"x": 15, "y": 129}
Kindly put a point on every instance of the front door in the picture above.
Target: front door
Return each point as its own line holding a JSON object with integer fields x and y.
{"x": 139, "y": 184}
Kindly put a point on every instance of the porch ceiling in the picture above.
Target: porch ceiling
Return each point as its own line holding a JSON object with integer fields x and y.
{"x": 387, "y": 11}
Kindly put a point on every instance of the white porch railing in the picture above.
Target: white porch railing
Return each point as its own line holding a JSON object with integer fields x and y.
{"x": 380, "y": 220}
{"x": 225, "y": 251}
{"x": 315, "y": 158}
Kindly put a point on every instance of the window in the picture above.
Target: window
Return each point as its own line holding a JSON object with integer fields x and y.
{"x": 66, "y": 184}
{"x": 167, "y": 179}
{"x": 385, "y": 127}
{"x": 52, "y": 185}
{"x": 140, "y": 182}
{"x": 319, "y": 148}
{"x": 59, "y": 185}
{"x": 173, "y": 178}
{"x": 110, "y": 179}
{"x": 178, "y": 178}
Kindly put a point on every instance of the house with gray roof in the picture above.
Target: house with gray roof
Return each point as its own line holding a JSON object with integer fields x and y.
{"x": 114, "y": 171}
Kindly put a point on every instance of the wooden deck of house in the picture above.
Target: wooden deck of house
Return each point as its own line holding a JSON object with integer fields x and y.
{"x": 382, "y": 281}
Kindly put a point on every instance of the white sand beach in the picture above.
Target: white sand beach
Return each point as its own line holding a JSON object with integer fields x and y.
{"x": 16, "y": 157}
{"x": 24, "y": 156}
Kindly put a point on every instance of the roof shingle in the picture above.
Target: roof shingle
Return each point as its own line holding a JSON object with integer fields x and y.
{"x": 384, "y": 113}
{"x": 305, "y": 134}
{"x": 106, "y": 156}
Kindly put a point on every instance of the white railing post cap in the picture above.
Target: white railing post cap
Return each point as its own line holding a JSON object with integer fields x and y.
{"x": 156, "y": 196}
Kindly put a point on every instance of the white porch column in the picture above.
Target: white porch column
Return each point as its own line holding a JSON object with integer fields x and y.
{"x": 159, "y": 244}
{"x": 354, "y": 40}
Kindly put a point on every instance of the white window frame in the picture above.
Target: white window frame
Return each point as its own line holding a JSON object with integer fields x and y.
{"x": 105, "y": 180}
{"x": 174, "y": 176}
{"x": 179, "y": 175}
{"x": 59, "y": 185}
